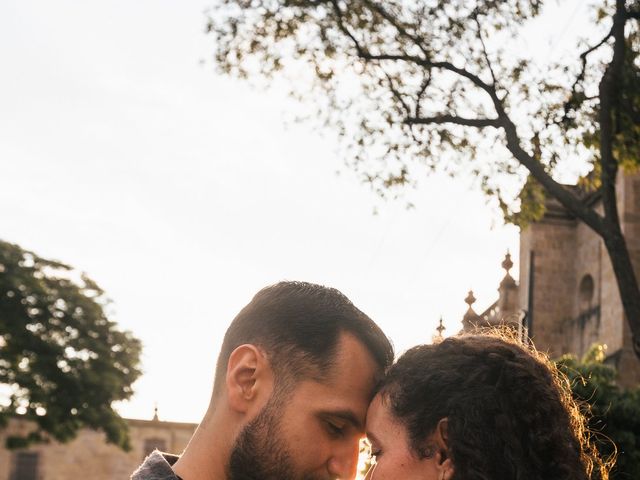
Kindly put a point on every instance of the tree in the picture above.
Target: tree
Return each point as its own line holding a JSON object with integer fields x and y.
{"x": 414, "y": 86}
{"x": 62, "y": 361}
{"x": 614, "y": 413}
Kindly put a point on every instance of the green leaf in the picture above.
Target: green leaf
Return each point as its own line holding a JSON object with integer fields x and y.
{"x": 65, "y": 361}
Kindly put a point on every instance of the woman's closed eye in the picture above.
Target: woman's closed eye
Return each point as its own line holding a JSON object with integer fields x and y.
{"x": 375, "y": 452}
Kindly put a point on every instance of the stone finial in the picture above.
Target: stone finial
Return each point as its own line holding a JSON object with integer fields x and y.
{"x": 508, "y": 280}
{"x": 155, "y": 413}
{"x": 508, "y": 291}
{"x": 471, "y": 299}
{"x": 507, "y": 264}
{"x": 471, "y": 319}
{"x": 440, "y": 328}
{"x": 438, "y": 337}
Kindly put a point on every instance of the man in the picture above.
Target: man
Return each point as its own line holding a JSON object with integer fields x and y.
{"x": 295, "y": 375}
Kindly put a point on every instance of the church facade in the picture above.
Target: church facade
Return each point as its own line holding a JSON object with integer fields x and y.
{"x": 566, "y": 297}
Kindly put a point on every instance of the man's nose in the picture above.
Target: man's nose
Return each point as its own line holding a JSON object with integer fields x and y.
{"x": 344, "y": 462}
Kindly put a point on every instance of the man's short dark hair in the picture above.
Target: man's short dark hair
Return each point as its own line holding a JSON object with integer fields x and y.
{"x": 298, "y": 325}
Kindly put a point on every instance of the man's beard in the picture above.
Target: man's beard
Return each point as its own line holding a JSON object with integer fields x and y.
{"x": 260, "y": 452}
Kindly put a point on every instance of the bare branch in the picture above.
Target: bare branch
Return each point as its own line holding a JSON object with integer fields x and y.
{"x": 475, "y": 79}
{"x": 394, "y": 21}
{"x": 426, "y": 63}
{"x": 484, "y": 50}
{"x": 441, "y": 119}
{"x": 396, "y": 94}
{"x": 361, "y": 51}
{"x": 585, "y": 54}
{"x": 423, "y": 88}
{"x": 583, "y": 60}
{"x": 570, "y": 201}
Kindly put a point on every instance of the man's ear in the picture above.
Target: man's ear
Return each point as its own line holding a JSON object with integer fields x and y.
{"x": 249, "y": 379}
{"x": 444, "y": 464}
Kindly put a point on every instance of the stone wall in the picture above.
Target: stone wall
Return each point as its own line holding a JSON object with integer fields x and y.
{"x": 552, "y": 242}
{"x": 576, "y": 298}
{"x": 593, "y": 317}
{"x": 629, "y": 210}
{"x": 89, "y": 456}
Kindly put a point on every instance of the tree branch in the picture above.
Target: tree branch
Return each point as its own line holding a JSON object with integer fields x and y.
{"x": 336, "y": 8}
{"x": 441, "y": 119}
{"x": 585, "y": 54}
{"x": 484, "y": 49}
{"x": 566, "y": 198}
{"x": 426, "y": 63}
{"x": 569, "y": 104}
{"x": 396, "y": 94}
{"x": 570, "y": 201}
{"x": 609, "y": 100}
{"x": 423, "y": 88}
{"x": 608, "y": 118}
{"x": 475, "y": 79}
{"x": 394, "y": 21}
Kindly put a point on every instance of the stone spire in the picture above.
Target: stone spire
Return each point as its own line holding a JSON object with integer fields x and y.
{"x": 471, "y": 319}
{"x": 155, "y": 413}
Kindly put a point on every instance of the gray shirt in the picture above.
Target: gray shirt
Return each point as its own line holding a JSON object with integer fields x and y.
{"x": 156, "y": 466}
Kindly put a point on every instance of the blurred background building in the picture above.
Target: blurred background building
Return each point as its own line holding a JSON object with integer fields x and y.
{"x": 566, "y": 298}
{"x": 88, "y": 455}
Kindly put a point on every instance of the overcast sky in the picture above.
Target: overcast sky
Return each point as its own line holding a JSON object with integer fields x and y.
{"x": 182, "y": 193}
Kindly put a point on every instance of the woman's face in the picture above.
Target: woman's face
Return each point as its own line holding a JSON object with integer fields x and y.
{"x": 390, "y": 446}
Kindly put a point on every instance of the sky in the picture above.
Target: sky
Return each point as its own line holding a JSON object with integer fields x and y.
{"x": 182, "y": 192}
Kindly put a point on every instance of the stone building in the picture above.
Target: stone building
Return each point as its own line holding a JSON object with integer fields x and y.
{"x": 88, "y": 455}
{"x": 567, "y": 297}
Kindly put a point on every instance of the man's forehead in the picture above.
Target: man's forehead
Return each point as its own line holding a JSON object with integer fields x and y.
{"x": 352, "y": 362}
{"x": 350, "y": 375}
{"x": 346, "y": 387}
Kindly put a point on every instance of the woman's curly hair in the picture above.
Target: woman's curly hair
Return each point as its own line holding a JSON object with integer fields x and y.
{"x": 510, "y": 413}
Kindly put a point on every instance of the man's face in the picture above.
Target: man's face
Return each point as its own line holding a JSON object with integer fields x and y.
{"x": 312, "y": 432}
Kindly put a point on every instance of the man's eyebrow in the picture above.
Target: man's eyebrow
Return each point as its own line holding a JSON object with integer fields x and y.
{"x": 346, "y": 415}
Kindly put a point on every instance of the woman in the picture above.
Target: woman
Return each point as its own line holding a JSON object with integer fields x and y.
{"x": 478, "y": 408}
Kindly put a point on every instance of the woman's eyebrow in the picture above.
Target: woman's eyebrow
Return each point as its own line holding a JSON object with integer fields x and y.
{"x": 372, "y": 438}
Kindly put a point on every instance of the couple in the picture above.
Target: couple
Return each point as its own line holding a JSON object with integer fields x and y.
{"x": 303, "y": 374}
